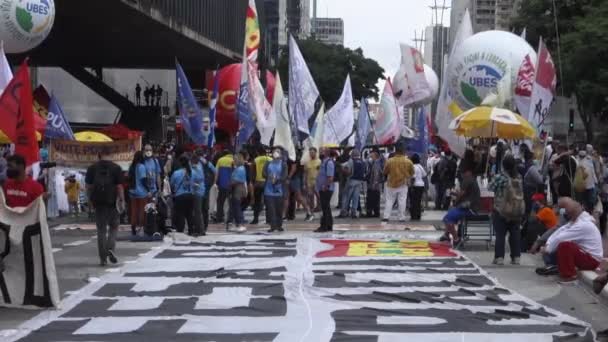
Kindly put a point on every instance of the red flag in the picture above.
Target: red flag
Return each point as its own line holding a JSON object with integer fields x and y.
{"x": 16, "y": 111}
{"x": 543, "y": 92}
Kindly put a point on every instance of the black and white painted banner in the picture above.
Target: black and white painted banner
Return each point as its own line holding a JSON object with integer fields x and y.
{"x": 299, "y": 288}
{"x": 27, "y": 273}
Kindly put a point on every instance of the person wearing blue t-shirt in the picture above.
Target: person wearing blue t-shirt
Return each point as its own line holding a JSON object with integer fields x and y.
{"x": 325, "y": 187}
{"x": 181, "y": 184}
{"x": 275, "y": 174}
{"x": 238, "y": 182}
{"x": 139, "y": 193}
{"x": 198, "y": 193}
{"x": 153, "y": 171}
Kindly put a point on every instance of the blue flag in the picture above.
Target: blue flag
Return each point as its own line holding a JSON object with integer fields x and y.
{"x": 57, "y": 127}
{"x": 363, "y": 126}
{"x": 246, "y": 121}
{"x": 421, "y": 143}
{"x": 213, "y": 109}
{"x": 190, "y": 113}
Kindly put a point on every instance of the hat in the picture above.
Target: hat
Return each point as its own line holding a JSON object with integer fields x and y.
{"x": 538, "y": 197}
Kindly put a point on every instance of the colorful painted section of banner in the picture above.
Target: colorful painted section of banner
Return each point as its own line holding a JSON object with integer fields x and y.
{"x": 83, "y": 154}
{"x": 388, "y": 126}
{"x": 396, "y": 248}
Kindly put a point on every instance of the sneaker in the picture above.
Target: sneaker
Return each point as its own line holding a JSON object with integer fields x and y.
{"x": 309, "y": 217}
{"x": 103, "y": 263}
{"x": 112, "y": 257}
{"x": 516, "y": 261}
{"x": 499, "y": 261}
{"x": 547, "y": 271}
{"x": 568, "y": 281}
{"x": 253, "y": 222}
{"x": 241, "y": 229}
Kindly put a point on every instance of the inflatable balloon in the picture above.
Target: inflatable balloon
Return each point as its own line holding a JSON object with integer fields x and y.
{"x": 481, "y": 61}
{"x": 432, "y": 80}
{"x": 25, "y": 24}
{"x": 229, "y": 83}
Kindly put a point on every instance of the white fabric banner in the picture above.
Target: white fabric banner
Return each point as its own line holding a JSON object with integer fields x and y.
{"x": 303, "y": 92}
{"x": 414, "y": 86}
{"x": 340, "y": 119}
{"x": 282, "y": 136}
{"x": 264, "y": 114}
{"x": 444, "y": 115}
{"x": 6, "y": 74}
{"x": 29, "y": 278}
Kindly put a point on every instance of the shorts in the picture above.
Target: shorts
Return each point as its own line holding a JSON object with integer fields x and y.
{"x": 295, "y": 185}
{"x": 456, "y": 214}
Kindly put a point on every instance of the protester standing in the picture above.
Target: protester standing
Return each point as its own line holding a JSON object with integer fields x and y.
{"x": 209, "y": 172}
{"x": 223, "y": 178}
{"x": 275, "y": 174}
{"x": 418, "y": 185}
{"x": 238, "y": 182}
{"x": 104, "y": 186}
{"x": 398, "y": 171}
{"x": 153, "y": 170}
{"x": 198, "y": 194}
{"x": 260, "y": 182}
{"x": 295, "y": 180}
{"x": 325, "y": 187}
{"x": 311, "y": 171}
{"x": 355, "y": 169}
{"x": 375, "y": 179}
{"x": 139, "y": 192}
{"x": 181, "y": 184}
{"x": 72, "y": 190}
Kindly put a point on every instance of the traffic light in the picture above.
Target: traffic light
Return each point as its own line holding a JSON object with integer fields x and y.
{"x": 571, "y": 122}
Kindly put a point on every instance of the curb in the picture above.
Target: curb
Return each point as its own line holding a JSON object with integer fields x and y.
{"x": 588, "y": 277}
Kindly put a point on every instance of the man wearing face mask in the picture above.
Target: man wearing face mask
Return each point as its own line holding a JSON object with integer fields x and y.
{"x": 19, "y": 189}
{"x": 275, "y": 174}
{"x": 325, "y": 187}
{"x": 153, "y": 170}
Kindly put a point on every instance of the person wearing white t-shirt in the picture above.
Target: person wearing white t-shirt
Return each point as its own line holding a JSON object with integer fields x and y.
{"x": 417, "y": 189}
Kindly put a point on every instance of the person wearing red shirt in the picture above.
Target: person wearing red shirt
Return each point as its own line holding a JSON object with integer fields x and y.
{"x": 19, "y": 189}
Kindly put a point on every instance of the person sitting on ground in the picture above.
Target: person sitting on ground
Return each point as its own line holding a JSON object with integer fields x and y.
{"x": 546, "y": 222}
{"x": 466, "y": 203}
{"x": 577, "y": 244}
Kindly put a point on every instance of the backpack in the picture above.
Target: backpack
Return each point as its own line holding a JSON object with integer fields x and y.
{"x": 511, "y": 204}
{"x": 358, "y": 170}
{"x": 104, "y": 186}
{"x": 580, "y": 179}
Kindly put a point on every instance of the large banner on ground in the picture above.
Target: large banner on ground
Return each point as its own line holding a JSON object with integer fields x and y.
{"x": 27, "y": 267}
{"x": 79, "y": 154}
{"x": 299, "y": 288}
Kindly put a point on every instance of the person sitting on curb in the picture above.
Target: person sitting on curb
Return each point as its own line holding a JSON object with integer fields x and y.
{"x": 577, "y": 244}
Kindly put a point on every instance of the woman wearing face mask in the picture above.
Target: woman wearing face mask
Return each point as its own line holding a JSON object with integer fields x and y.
{"x": 139, "y": 193}
{"x": 275, "y": 173}
{"x": 19, "y": 190}
{"x": 181, "y": 184}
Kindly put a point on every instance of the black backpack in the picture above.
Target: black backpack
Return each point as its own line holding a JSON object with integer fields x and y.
{"x": 104, "y": 185}
{"x": 358, "y": 170}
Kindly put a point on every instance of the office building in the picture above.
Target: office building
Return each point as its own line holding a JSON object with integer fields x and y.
{"x": 485, "y": 14}
{"x": 298, "y": 18}
{"x": 275, "y": 30}
{"x": 328, "y": 30}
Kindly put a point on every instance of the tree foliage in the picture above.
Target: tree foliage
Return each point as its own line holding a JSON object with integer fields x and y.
{"x": 583, "y": 29}
{"x": 329, "y": 65}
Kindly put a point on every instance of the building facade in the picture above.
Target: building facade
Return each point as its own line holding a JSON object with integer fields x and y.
{"x": 298, "y": 18}
{"x": 328, "y": 30}
{"x": 275, "y": 33}
{"x": 485, "y": 14}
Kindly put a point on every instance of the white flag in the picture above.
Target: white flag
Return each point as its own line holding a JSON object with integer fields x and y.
{"x": 444, "y": 114}
{"x": 317, "y": 140}
{"x": 340, "y": 119}
{"x": 6, "y": 75}
{"x": 282, "y": 134}
{"x": 543, "y": 91}
{"x": 410, "y": 83}
{"x": 303, "y": 92}
{"x": 265, "y": 116}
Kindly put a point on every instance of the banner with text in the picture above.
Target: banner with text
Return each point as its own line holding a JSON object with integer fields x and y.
{"x": 83, "y": 154}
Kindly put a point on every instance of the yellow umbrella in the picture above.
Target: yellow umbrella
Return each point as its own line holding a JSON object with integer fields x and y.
{"x": 490, "y": 122}
{"x": 90, "y": 136}
{"x": 5, "y": 140}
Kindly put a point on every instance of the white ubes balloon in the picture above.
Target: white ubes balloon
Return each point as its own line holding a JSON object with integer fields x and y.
{"x": 24, "y": 24}
{"x": 432, "y": 80}
{"x": 481, "y": 61}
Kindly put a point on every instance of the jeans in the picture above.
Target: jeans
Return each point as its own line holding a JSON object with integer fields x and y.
{"x": 440, "y": 195}
{"x": 205, "y": 211}
{"x": 372, "y": 204}
{"x": 416, "y": 202}
{"x": 502, "y": 226}
{"x": 183, "y": 213}
{"x": 222, "y": 196}
{"x": 392, "y": 194}
{"x": 550, "y": 259}
{"x": 106, "y": 219}
{"x": 351, "y": 199}
{"x": 236, "y": 211}
{"x": 258, "y": 195}
{"x": 274, "y": 208}
{"x": 197, "y": 215}
{"x": 327, "y": 221}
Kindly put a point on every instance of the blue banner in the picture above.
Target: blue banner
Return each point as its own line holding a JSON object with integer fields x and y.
{"x": 363, "y": 125}
{"x": 57, "y": 126}
{"x": 190, "y": 113}
{"x": 246, "y": 121}
{"x": 213, "y": 109}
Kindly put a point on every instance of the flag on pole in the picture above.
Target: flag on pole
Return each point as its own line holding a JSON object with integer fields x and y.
{"x": 6, "y": 74}
{"x": 213, "y": 109}
{"x": 190, "y": 113}
{"x": 16, "y": 111}
{"x": 252, "y": 33}
{"x": 363, "y": 125}
{"x": 421, "y": 143}
{"x": 282, "y": 135}
{"x": 543, "y": 91}
{"x": 523, "y": 88}
{"x": 57, "y": 126}
{"x": 340, "y": 119}
{"x": 446, "y": 106}
{"x": 410, "y": 83}
{"x": 388, "y": 123}
{"x": 259, "y": 105}
{"x": 244, "y": 114}
{"x": 302, "y": 98}
{"x": 318, "y": 133}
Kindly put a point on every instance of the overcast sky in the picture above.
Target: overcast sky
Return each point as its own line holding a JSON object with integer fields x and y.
{"x": 378, "y": 26}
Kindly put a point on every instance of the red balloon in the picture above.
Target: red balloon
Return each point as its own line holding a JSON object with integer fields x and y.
{"x": 229, "y": 83}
